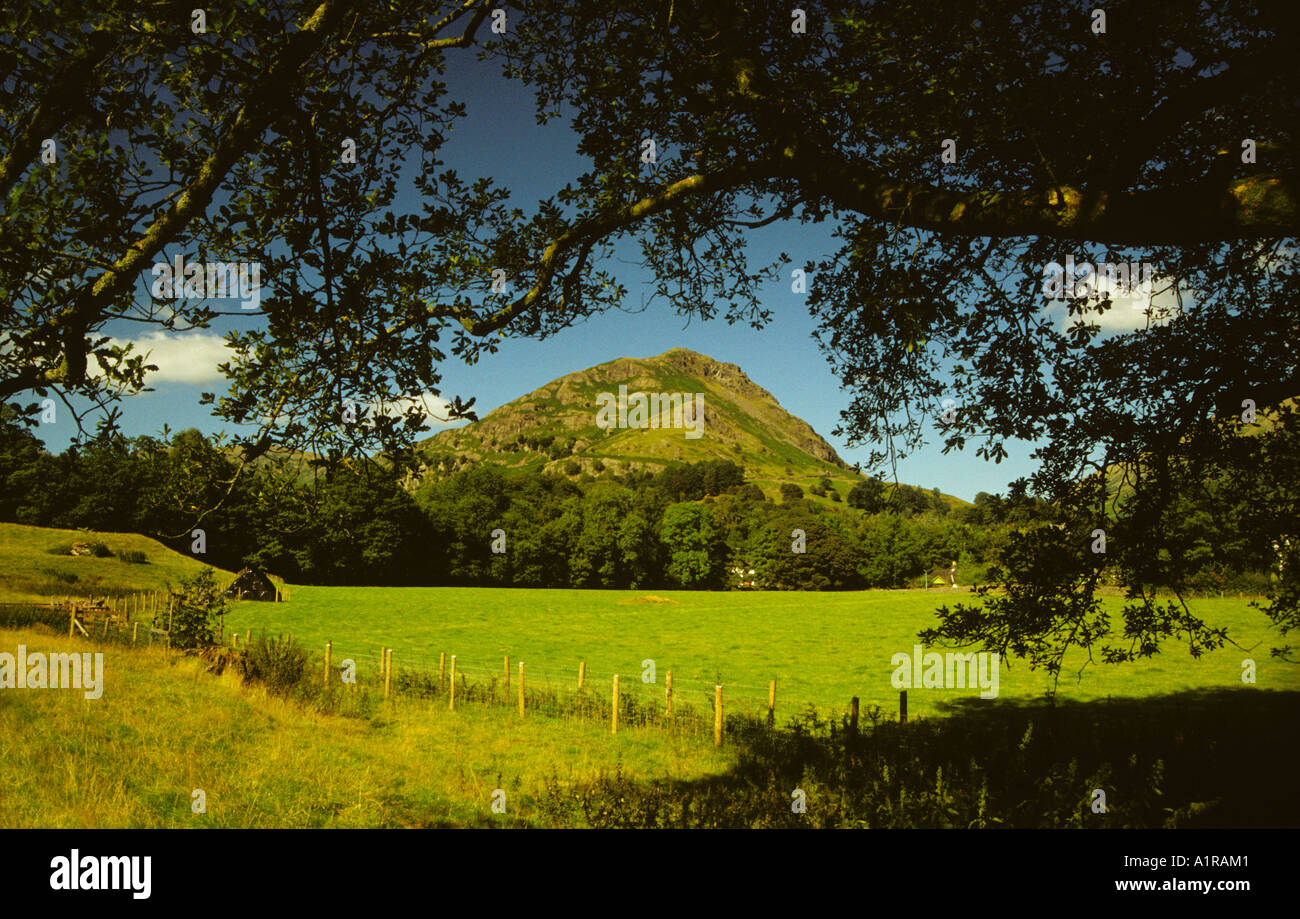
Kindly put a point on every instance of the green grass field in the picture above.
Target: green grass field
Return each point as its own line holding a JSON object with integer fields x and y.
{"x": 821, "y": 648}
{"x": 163, "y": 728}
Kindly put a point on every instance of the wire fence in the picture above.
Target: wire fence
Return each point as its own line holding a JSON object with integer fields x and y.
{"x": 101, "y": 624}
{"x": 644, "y": 698}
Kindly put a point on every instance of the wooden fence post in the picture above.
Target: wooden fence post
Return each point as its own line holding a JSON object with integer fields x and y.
{"x": 453, "y": 682}
{"x": 582, "y": 674}
{"x": 902, "y": 707}
{"x": 442, "y": 669}
{"x": 234, "y": 641}
{"x": 669, "y": 693}
{"x": 72, "y": 619}
{"x": 613, "y": 724}
{"x": 388, "y": 672}
{"x": 771, "y": 703}
{"x": 135, "y": 629}
{"x": 853, "y": 715}
{"x": 717, "y": 715}
{"x": 521, "y": 689}
{"x": 329, "y": 651}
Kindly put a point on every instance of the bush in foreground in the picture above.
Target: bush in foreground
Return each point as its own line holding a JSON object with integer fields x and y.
{"x": 197, "y": 605}
{"x": 279, "y": 663}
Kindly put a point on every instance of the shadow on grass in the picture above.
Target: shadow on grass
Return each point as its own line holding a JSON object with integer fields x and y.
{"x": 1223, "y": 758}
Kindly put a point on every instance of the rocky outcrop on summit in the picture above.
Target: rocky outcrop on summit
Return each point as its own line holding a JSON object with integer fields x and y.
{"x": 734, "y": 379}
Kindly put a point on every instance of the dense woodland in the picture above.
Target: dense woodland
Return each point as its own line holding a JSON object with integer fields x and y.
{"x": 687, "y": 526}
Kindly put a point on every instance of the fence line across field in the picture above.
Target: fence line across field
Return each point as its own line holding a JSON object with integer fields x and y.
{"x": 498, "y": 677}
{"x": 429, "y": 662}
{"x": 425, "y": 664}
{"x": 123, "y": 615}
{"x": 422, "y": 663}
{"x": 129, "y": 610}
{"x": 407, "y": 658}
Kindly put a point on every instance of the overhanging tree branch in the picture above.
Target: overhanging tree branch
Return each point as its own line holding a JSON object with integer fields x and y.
{"x": 63, "y": 98}
{"x": 1251, "y": 208}
{"x": 1245, "y": 73}
{"x": 1254, "y": 207}
{"x": 467, "y": 37}
{"x": 582, "y": 234}
{"x": 266, "y": 101}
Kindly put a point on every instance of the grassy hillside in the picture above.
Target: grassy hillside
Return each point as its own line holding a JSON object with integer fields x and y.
{"x": 741, "y": 421}
{"x": 162, "y": 729}
{"x": 822, "y": 648}
{"x": 554, "y": 428}
{"x": 29, "y": 572}
{"x": 1183, "y": 741}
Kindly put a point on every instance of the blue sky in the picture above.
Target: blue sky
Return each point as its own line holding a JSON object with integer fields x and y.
{"x": 500, "y": 138}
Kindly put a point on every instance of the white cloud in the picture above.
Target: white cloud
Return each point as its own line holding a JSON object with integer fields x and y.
{"x": 191, "y": 357}
{"x": 1127, "y": 314}
{"x": 435, "y": 410}
{"x": 1131, "y": 307}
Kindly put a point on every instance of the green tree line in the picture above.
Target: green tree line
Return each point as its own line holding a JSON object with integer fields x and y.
{"x": 693, "y": 526}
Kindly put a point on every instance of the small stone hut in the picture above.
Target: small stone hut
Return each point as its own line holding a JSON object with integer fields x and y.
{"x": 250, "y": 584}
